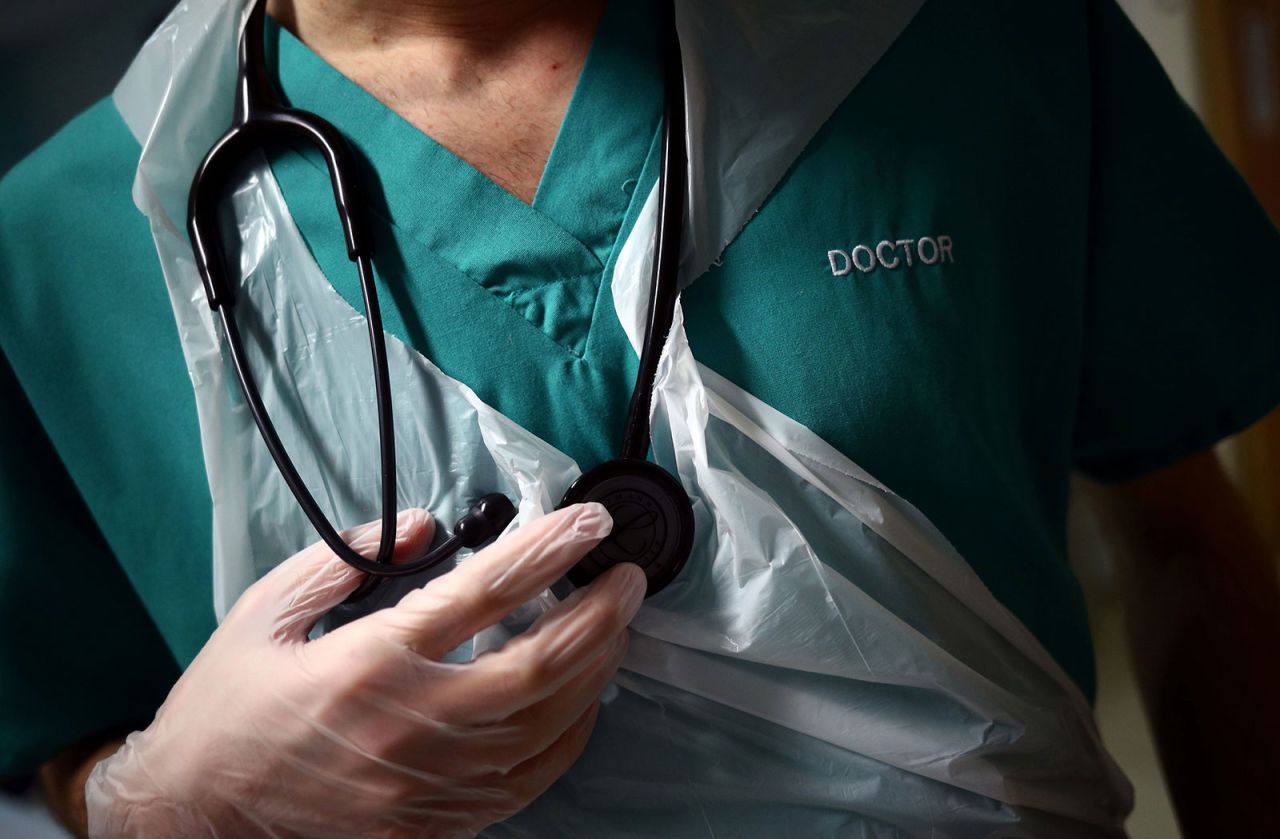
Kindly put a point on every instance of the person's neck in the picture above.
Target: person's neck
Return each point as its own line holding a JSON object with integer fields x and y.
{"x": 488, "y": 79}
{"x": 478, "y": 20}
{"x": 462, "y": 41}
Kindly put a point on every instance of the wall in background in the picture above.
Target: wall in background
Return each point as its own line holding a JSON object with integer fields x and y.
{"x": 1170, "y": 28}
{"x": 57, "y": 57}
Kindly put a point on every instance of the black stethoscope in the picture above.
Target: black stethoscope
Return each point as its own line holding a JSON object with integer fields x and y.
{"x": 653, "y": 517}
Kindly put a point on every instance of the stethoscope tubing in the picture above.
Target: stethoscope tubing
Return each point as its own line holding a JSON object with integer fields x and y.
{"x": 380, "y": 566}
{"x": 664, "y": 286}
{"x": 258, "y": 119}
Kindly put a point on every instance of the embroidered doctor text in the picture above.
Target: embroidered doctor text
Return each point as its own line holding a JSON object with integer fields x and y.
{"x": 891, "y": 254}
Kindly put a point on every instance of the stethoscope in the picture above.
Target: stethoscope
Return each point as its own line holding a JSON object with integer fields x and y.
{"x": 653, "y": 517}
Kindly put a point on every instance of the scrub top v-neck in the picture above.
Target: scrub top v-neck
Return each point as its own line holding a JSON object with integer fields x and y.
{"x": 510, "y": 298}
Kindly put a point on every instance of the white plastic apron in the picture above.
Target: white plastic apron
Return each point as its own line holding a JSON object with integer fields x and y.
{"x": 825, "y": 665}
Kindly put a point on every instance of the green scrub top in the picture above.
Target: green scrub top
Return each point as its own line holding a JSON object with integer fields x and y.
{"x": 1011, "y": 252}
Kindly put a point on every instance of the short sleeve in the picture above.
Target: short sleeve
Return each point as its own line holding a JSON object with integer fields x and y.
{"x": 78, "y": 652}
{"x": 1182, "y": 315}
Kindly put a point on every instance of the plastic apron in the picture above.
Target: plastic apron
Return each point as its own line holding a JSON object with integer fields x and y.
{"x": 825, "y": 665}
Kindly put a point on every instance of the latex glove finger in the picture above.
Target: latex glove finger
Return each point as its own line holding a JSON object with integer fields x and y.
{"x": 296, "y": 593}
{"x": 490, "y": 585}
{"x": 533, "y": 777}
{"x": 535, "y": 664}
{"x": 475, "y": 753}
{"x": 532, "y": 730}
{"x": 499, "y": 795}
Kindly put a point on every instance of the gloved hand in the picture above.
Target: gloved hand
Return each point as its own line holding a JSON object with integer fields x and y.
{"x": 365, "y": 732}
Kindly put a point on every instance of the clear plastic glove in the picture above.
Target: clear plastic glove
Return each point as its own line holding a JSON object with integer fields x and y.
{"x": 365, "y": 732}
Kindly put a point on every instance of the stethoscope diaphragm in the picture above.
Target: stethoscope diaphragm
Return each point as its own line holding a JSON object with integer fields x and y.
{"x": 652, "y": 521}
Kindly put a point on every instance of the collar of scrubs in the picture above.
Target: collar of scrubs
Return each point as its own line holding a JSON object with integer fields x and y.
{"x": 545, "y": 260}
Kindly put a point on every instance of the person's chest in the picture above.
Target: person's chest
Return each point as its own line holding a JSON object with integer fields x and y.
{"x": 910, "y": 292}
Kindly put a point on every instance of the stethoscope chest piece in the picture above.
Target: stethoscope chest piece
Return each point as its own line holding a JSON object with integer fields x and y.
{"x": 652, "y": 521}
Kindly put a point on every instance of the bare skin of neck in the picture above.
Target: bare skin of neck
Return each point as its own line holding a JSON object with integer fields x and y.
{"x": 490, "y": 80}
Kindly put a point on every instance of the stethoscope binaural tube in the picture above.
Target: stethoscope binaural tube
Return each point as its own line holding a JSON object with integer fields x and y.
{"x": 258, "y": 120}
{"x": 653, "y": 519}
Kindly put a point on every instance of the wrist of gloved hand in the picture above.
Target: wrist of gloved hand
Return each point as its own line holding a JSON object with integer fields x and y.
{"x": 127, "y": 797}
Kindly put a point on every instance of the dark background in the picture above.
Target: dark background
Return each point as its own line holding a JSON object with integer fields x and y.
{"x": 57, "y": 57}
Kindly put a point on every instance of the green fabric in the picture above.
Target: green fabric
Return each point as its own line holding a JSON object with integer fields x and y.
{"x": 1110, "y": 304}
{"x": 77, "y": 649}
{"x": 86, "y": 325}
{"x": 454, "y": 250}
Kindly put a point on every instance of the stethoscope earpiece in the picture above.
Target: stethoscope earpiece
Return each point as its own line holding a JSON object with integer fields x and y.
{"x": 486, "y": 520}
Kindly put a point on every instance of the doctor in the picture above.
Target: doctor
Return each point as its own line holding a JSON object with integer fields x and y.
{"x": 510, "y": 145}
